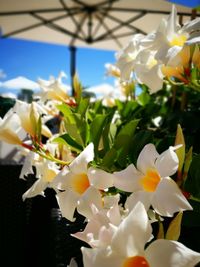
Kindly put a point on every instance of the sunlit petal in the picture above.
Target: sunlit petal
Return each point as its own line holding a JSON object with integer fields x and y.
{"x": 67, "y": 202}
{"x": 101, "y": 258}
{"x": 36, "y": 189}
{"x": 133, "y": 232}
{"x": 167, "y": 162}
{"x": 147, "y": 158}
{"x": 100, "y": 178}
{"x": 91, "y": 196}
{"x": 79, "y": 164}
{"x": 128, "y": 179}
{"x": 134, "y": 198}
{"x": 168, "y": 198}
{"x": 167, "y": 253}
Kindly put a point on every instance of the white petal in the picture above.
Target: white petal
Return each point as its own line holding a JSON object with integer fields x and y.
{"x": 191, "y": 26}
{"x": 167, "y": 162}
{"x": 147, "y": 158}
{"x": 36, "y": 189}
{"x": 134, "y": 198}
{"x": 100, "y": 258}
{"x": 152, "y": 77}
{"x": 128, "y": 179}
{"x": 168, "y": 199}
{"x": 62, "y": 179}
{"x": 73, "y": 263}
{"x": 90, "y": 196}
{"x": 167, "y": 253}
{"x": 133, "y": 233}
{"x": 114, "y": 215}
{"x": 67, "y": 202}
{"x": 172, "y": 22}
{"x": 100, "y": 178}
{"x": 79, "y": 164}
{"x": 27, "y": 165}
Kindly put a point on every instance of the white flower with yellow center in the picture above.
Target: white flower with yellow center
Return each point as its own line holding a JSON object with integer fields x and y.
{"x": 170, "y": 37}
{"x": 81, "y": 185}
{"x": 127, "y": 248}
{"x": 150, "y": 182}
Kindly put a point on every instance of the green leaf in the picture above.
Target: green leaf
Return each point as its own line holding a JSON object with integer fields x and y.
{"x": 77, "y": 88}
{"x": 109, "y": 159}
{"x": 96, "y": 129}
{"x": 140, "y": 139}
{"x": 83, "y": 105}
{"x": 174, "y": 229}
{"x": 66, "y": 140}
{"x": 143, "y": 98}
{"x": 192, "y": 183}
{"x": 82, "y": 129}
{"x": 124, "y": 140}
{"x": 66, "y": 111}
{"x": 160, "y": 234}
{"x": 39, "y": 129}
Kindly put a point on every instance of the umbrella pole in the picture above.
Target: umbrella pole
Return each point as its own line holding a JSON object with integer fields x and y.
{"x": 72, "y": 66}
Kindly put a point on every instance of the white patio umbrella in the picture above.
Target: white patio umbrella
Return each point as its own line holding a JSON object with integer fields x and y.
{"x": 20, "y": 83}
{"x": 104, "y": 24}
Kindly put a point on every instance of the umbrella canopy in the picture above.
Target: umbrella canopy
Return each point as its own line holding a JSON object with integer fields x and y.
{"x": 94, "y": 23}
{"x": 104, "y": 24}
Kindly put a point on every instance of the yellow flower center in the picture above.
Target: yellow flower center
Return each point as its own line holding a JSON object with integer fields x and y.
{"x": 137, "y": 261}
{"x": 80, "y": 183}
{"x": 151, "y": 180}
{"x": 178, "y": 40}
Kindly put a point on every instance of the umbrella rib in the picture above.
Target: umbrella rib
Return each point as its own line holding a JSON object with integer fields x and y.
{"x": 25, "y": 12}
{"x": 78, "y": 28}
{"x": 151, "y": 11}
{"x": 109, "y": 33}
{"x": 121, "y": 24}
{"x": 56, "y": 27}
{"x": 29, "y": 27}
{"x": 68, "y": 10}
{"x": 104, "y": 15}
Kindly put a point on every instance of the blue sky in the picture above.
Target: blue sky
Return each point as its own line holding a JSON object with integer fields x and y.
{"x": 40, "y": 60}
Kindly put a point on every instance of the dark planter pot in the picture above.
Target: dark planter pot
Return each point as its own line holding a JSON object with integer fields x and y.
{"x": 34, "y": 234}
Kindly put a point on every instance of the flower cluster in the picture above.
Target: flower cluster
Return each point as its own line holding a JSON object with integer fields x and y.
{"x": 108, "y": 163}
{"x": 170, "y": 53}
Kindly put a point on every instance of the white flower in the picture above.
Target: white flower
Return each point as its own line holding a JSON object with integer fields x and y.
{"x": 101, "y": 227}
{"x": 148, "y": 71}
{"x": 29, "y": 115}
{"x": 46, "y": 171}
{"x": 9, "y": 128}
{"x": 126, "y": 57}
{"x": 81, "y": 185}
{"x": 151, "y": 183}
{"x": 128, "y": 243}
{"x": 54, "y": 89}
{"x": 170, "y": 37}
